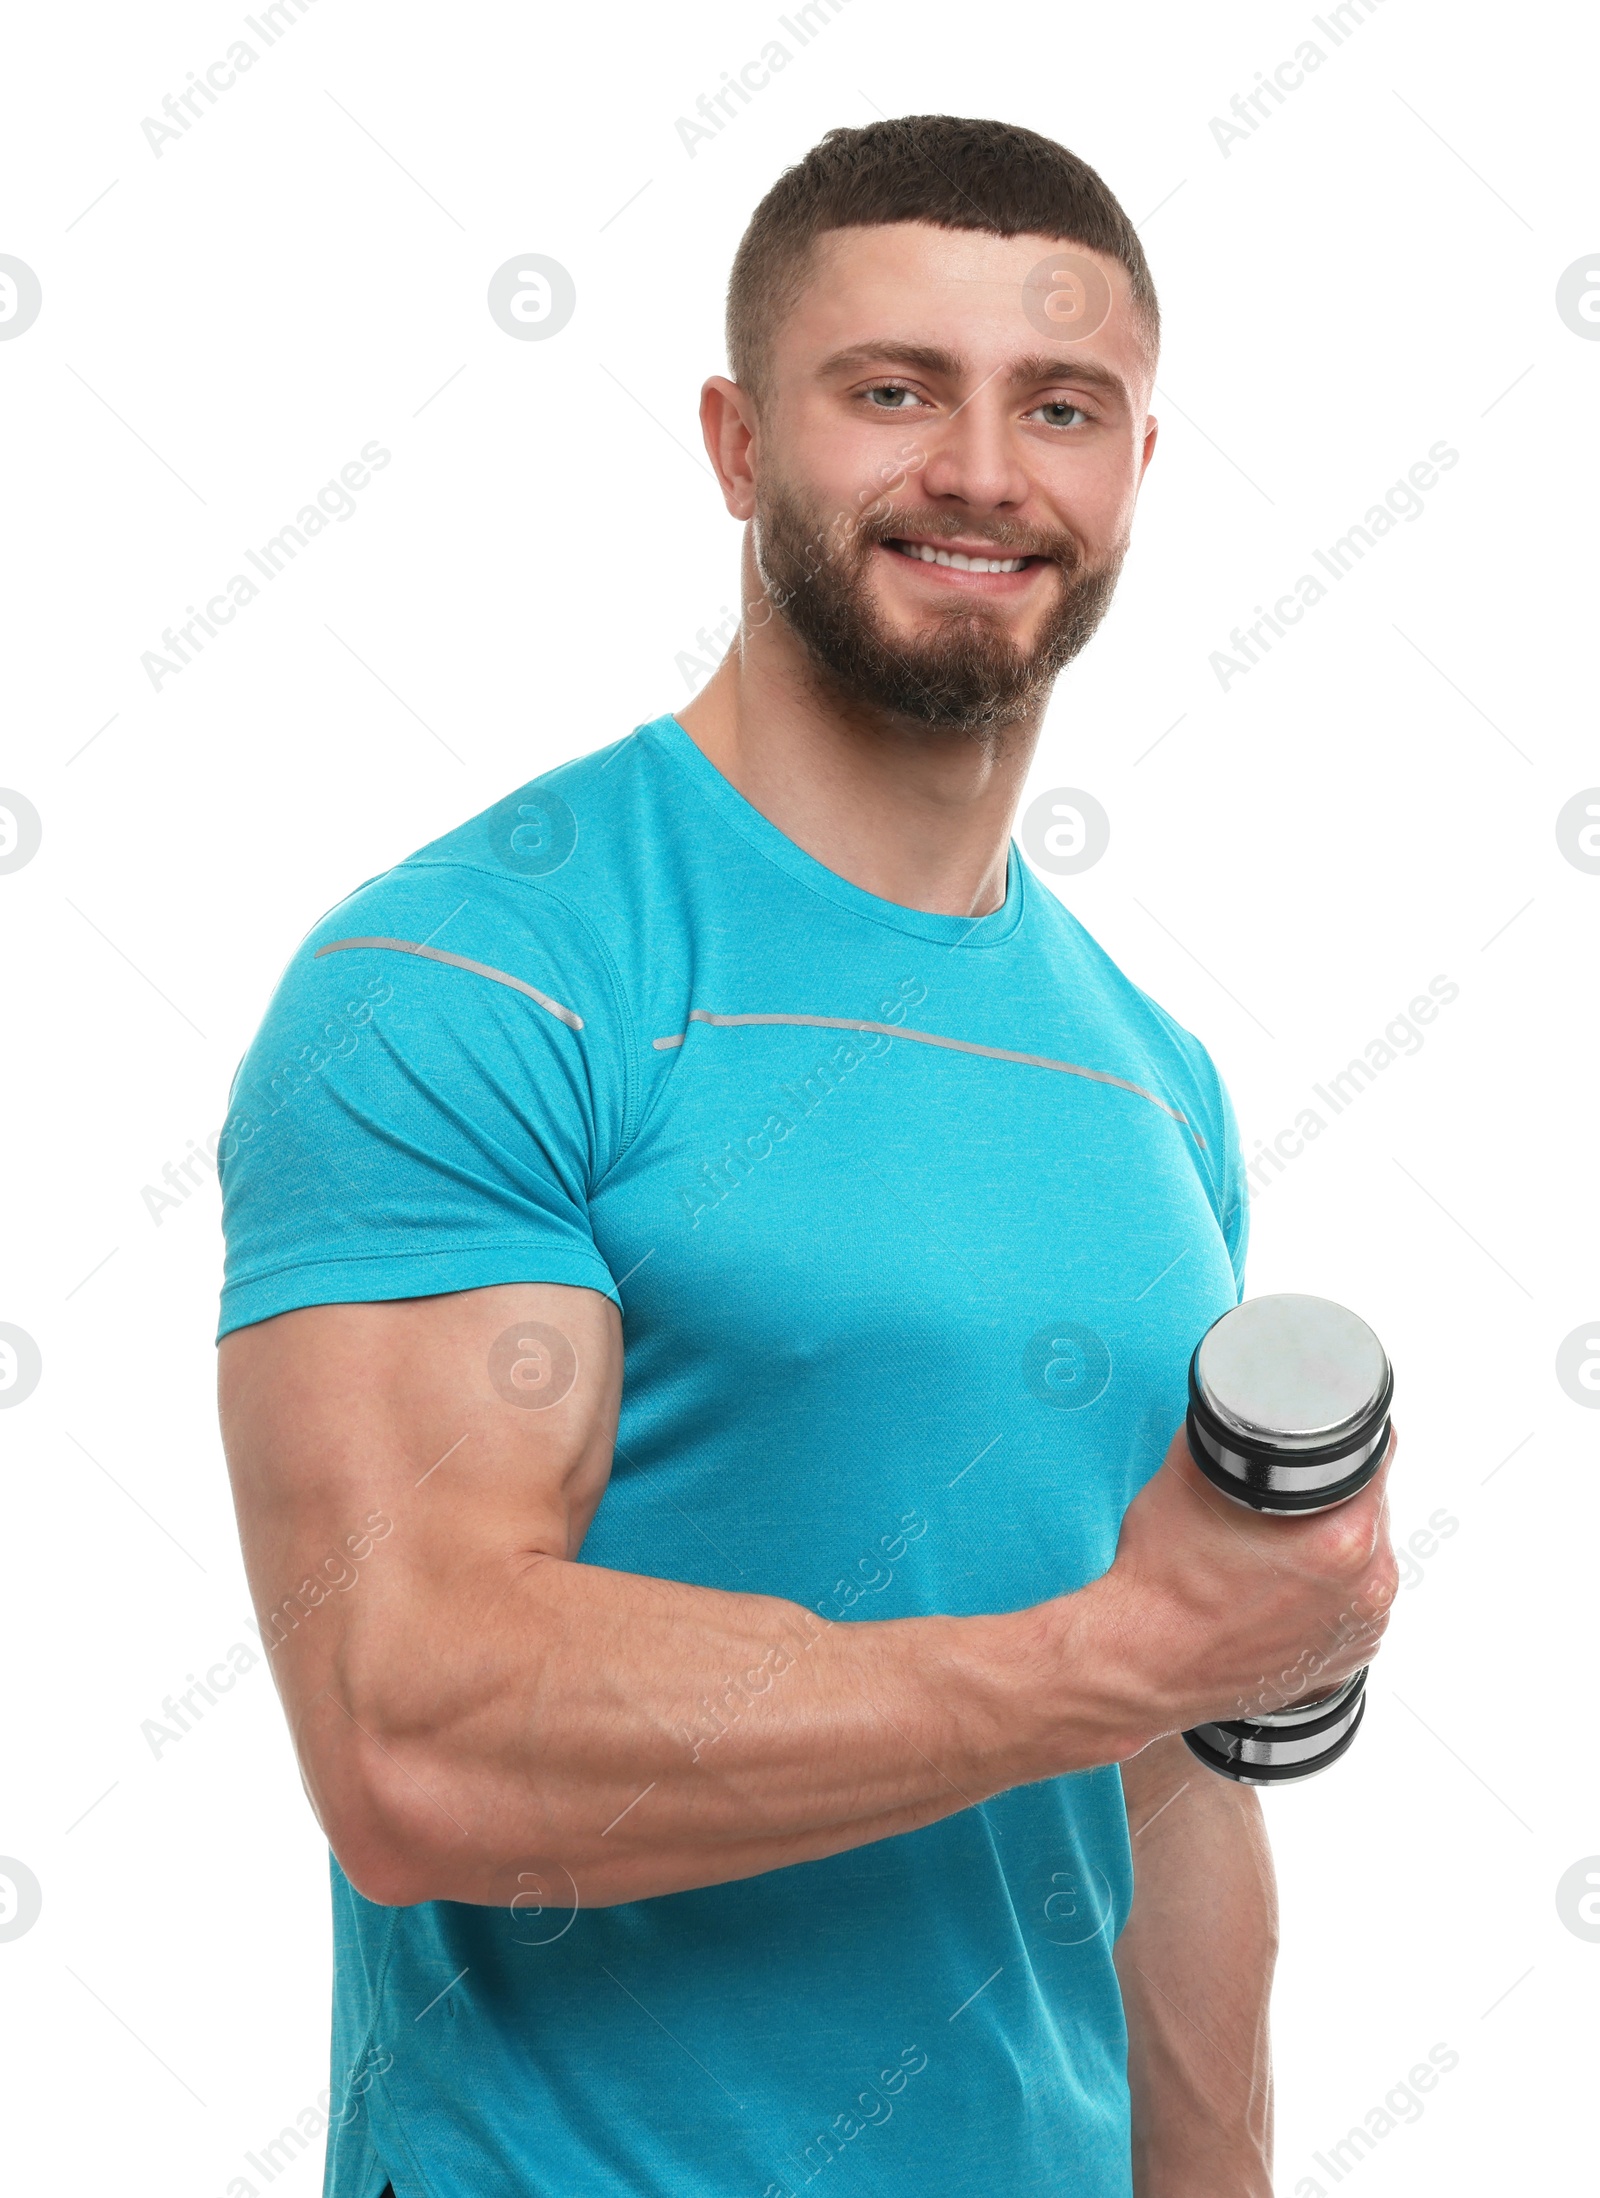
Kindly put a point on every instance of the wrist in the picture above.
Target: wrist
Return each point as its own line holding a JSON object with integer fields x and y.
{"x": 1069, "y": 1690}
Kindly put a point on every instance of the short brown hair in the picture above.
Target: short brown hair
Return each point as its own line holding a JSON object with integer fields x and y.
{"x": 939, "y": 168}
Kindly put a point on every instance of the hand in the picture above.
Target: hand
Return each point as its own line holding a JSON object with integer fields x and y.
{"x": 1212, "y": 1610}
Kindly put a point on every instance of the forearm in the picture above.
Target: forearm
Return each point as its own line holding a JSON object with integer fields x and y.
{"x": 622, "y": 1737}
{"x": 1196, "y": 1962}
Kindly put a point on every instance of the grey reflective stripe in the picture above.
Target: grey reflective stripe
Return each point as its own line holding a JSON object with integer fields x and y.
{"x": 932, "y": 1038}
{"x": 459, "y": 961}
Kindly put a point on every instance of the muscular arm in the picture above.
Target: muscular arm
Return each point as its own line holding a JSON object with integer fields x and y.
{"x": 479, "y": 1717}
{"x": 1195, "y": 1961}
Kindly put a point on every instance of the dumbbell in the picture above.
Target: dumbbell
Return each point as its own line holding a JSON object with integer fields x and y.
{"x": 1288, "y": 1412}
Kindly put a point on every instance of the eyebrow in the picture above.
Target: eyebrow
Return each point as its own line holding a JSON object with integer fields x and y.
{"x": 1038, "y": 366}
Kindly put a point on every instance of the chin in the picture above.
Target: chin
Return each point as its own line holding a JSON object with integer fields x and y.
{"x": 901, "y": 628}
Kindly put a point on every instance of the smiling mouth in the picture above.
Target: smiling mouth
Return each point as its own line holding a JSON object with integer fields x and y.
{"x": 928, "y": 553}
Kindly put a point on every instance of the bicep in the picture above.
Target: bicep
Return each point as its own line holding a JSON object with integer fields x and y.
{"x": 394, "y": 1464}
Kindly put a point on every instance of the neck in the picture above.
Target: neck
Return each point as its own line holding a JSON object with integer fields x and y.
{"x": 913, "y": 814}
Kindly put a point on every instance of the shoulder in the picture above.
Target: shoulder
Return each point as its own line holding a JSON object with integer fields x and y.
{"x": 1180, "y": 1061}
{"x": 578, "y": 821}
{"x": 532, "y": 892}
{"x": 496, "y": 952}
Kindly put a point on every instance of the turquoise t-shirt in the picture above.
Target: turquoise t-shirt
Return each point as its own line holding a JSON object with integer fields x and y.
{"x": 914, "y": 1221}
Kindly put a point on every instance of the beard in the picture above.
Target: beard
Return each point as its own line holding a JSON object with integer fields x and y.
{"x": 966, "y": 674}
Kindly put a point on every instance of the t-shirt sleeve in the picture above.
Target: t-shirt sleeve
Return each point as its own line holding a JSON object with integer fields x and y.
{"x": 440, "y": 1082}
{"x": 1235, "y": 1215}
{"x": 1197, "y": 1081}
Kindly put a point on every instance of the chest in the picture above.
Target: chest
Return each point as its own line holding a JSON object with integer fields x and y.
{"x": 905, "y": 1320}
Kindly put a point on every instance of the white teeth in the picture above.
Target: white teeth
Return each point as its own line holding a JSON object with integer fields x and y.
{"x": 962, "y": 563}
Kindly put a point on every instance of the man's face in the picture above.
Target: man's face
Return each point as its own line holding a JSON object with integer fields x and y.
{"x": 915, "y": 409}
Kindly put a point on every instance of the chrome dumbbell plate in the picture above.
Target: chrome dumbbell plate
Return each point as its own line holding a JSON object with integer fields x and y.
{"x": 1289, "y": 1403}
{"x": 1289, "y": 1744}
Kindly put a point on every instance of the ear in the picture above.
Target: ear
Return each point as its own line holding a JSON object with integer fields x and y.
{"x": 728, "y": 423}
{"x": 1151, "y": 424}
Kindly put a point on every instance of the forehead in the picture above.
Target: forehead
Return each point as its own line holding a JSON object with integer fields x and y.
{"x": 959, "y": 290}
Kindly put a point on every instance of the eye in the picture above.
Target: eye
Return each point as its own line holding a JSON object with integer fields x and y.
{"x": 1052, "y": 410}
{"x": 890, "y": 391}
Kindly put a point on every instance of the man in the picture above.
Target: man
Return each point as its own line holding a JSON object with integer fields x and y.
{"x": 729, "y": 1796}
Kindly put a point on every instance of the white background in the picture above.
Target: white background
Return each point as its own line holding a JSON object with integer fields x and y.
{"x": 1372, "y": 271}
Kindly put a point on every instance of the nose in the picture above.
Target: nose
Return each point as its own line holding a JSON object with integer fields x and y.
{"x": 974, "y": 458}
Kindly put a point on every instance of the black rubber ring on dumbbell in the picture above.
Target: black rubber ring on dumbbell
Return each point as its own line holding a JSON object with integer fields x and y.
{"x": 1207, "y": 1434}
{"x": 1271, "y": 1774}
